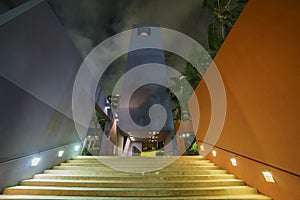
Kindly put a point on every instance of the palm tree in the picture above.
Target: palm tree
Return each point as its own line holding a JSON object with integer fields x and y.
{"x": 225, "y": 14}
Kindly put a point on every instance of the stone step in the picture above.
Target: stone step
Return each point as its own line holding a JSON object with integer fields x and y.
{"x": 134, "y": 177}
{"x": 129, "y": 192}
{"x": 114, "y": 172}
{"x": 220, "y": 197}
{"x": 132, "y": 184}
{"x": 141, "y": 157}
{"x": 121, "y": 162}
{"x": 88, "y": 178}
{"x": 96, "y": 168}
{"x": 174, "y": 165}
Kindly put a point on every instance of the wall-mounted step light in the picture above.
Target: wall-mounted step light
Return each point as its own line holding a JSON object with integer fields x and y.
{"x": 214, "y": 153}
{"x": 35, "y": 161}
{"x": 60, "y": 153}
{"x": 233, "y": 162}
{"x": 268, "y": 177}
{"x": 202, "y": 147}
{"x": 77, "y": 147}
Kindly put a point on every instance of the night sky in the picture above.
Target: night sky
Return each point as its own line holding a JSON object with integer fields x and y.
{"x": 89, "y": 22}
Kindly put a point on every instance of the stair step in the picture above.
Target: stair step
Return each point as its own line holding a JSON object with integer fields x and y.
{"x": 99, "y": 172}
{"x": 95, "y": 164}
{"x": 96, "y": 168}
{"x": 172, "y": 159}
{"x": 134, "y": 177}
{"x": 220, "y": 197}
{"x": 140, "y": 157}
{"x": 140, "y": 162}
{"x": 129, "y": 192}
{"x": 130, "y": 184}
{"x": 187, "y": 178}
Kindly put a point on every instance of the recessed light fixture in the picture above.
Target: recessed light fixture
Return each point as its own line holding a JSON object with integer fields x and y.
{"x": 233, "y": 162}
{"x": 268, "y": 177}
{"x": 60, "y": 153}
{"x": 214, "y": 153}
{"x": 202, "y": 147}
{"x": 35, "y": 161}
{"x": 144, "y": 34}
{"x": 77, "y": 147}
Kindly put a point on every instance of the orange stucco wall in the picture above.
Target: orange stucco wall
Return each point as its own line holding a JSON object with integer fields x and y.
{"x": 260, "y": 65}
{"x": 185, "y": 127}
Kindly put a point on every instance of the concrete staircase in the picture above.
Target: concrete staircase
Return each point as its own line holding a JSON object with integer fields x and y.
{"x": 189, "y": 177}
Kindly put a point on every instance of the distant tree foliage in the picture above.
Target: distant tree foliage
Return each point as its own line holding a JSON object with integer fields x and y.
{"x": 193, "y": 148}
{"x": 225, "y": 14}
{"x": 192, "y": 75}
{"x": 101, "y": 120}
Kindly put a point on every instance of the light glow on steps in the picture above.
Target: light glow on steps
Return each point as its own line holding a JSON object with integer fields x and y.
{"x": 158, "y": 173}
{"x": 128, "y": 192}
{"x": 96, "y": 168}
{"x": 219, "y": 197}
{"x": 133, "y": 183}
{"x": 86, "y": 178}
{"x": 134, "y": 177}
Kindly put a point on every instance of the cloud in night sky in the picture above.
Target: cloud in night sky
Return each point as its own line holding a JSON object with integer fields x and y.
{"x": 89, "y": 22}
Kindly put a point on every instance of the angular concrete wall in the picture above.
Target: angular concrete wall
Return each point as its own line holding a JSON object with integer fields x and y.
{"x": 38, "y": 65}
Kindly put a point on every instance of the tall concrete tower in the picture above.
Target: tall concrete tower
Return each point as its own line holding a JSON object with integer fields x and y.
{"x": 145, "y": 96}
